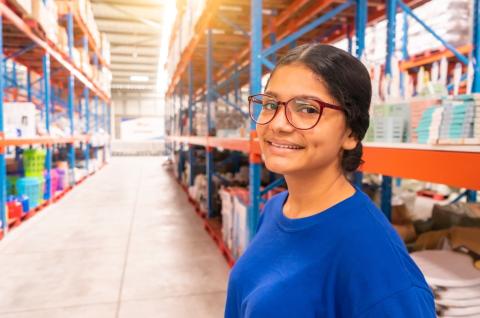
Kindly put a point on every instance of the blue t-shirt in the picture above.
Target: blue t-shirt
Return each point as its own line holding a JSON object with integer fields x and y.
{"x": 347, "y": 261}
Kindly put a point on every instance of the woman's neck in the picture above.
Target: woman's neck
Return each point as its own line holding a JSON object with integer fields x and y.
{"x": 315, "y": 191}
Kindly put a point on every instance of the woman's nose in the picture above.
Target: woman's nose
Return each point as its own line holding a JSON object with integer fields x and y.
{"x": 280, "y": 122}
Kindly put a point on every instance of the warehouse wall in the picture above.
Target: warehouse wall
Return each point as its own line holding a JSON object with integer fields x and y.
{"x": 135, "y": 104}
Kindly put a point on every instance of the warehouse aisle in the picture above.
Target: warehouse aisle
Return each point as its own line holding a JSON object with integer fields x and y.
{"x": 126, "y": 243}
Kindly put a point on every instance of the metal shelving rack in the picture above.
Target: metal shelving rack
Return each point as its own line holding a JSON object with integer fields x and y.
{"x": 61, "y": 82}
{"x": 214, "y": 64}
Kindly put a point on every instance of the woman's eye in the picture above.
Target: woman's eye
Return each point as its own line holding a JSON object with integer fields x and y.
{"x": 270, "y": 106}
{"x": 307, "y": 109}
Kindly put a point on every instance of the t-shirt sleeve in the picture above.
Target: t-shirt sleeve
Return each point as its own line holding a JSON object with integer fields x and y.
{"x": 412, "y": 302}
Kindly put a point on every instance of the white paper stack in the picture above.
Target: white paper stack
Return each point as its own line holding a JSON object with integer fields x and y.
{"x": 454, "y": 280}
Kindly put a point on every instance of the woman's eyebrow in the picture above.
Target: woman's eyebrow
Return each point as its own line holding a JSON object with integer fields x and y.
{"x": 270, "y": 93}
{"x": 310, "y": 97}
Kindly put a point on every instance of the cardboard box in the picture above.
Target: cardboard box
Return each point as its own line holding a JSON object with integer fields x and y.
{"x": 46, "y": 15}
{"x": 77, "y": 57}
{"x": 63, "y": 39}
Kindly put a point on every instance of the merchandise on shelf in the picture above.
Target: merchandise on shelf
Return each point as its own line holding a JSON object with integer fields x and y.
{"x": 77, "y": 57}
{"x": 46, "y": 14}
{"x": 34, "y": 162}
{"x": 24, "y": 6}
{"x": 429, "y": 125}
{"x": 32, "y": 187}
{"x": 449, "y": 18}
{"x": 91, "y": 24}
{"x": 62, "y": 39}
{"x": 19, "y": 119}
{"x": 417, "y": 109}
{"x": 234, "y": 219}
{"x": 62, "y": 179}
{"x": 105, "y": 80}
{"x": 54, "y": 181}
{"x": 455, "y": 120}
{"x": 15, "y": 210}
{"x": 454, "y": 276}
{"x": 390, "y": 122}
{"x": 105, "y": 47}
{"x": 193, "y": 10}
{"x": 12, "y": 184}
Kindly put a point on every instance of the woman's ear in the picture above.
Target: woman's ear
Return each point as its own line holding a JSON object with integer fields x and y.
{"x": 350, "y": 141}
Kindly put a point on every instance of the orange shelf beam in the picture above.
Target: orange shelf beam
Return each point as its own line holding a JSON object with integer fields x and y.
{"x": 20, "y": 24}
{"x": 460, "y": 163}
{"x": 42, "y": 141}
{"x": 453, "y": 168}
{"x": 429, "y": 58}
{"x": 236, "y": 144}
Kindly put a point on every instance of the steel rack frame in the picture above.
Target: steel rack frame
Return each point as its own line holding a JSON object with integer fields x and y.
{"x": 243, "y": 55}
{"x": 24, "y": 42}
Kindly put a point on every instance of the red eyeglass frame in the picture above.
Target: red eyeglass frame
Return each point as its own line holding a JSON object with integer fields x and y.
{"x": 320, "y": 102}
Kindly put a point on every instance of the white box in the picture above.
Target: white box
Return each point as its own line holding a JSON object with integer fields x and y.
{"x": 240, "y": 227}
{"x": 19, "y": 120}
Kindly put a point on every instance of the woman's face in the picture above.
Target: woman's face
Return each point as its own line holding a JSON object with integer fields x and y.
{"x": 316, "y": 148}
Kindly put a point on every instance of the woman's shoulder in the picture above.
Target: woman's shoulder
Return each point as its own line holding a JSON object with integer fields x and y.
{"x": 372, "y": 249}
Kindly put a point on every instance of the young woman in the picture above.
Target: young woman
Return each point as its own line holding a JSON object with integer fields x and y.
{"x": 322, "y": 249}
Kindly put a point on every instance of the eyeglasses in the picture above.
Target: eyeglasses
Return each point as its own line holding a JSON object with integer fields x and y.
{"x": 301, "y": 112}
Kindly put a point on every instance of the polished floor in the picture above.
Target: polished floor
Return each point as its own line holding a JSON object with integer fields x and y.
{"x": 125, "y": 243}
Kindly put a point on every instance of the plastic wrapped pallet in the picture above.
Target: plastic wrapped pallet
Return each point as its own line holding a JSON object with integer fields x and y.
{"x": 449, "y": 18}
{"x": 105, "y": 47}
{"x": 240, "y": 226}
{"x": 227, "y": 216}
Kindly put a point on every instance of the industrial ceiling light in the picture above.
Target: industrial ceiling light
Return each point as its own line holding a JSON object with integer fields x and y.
{"x": 139, "y": 78}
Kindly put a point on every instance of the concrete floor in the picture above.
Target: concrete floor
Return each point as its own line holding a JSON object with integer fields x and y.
{"x": 126, "y": 243}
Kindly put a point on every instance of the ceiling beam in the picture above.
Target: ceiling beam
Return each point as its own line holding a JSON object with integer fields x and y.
{"x": 150, "y": 22}
{"x": 140, "y": 55}
{"x": 128, "y": 3}
{"x": 133, "y": 33}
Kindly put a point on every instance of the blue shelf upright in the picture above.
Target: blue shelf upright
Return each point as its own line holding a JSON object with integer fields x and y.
{"x": 3, "y": 172}
{"x": 209, "y": 101}
{"x": 71, "y": 101}
{"x": 47, "y": 105}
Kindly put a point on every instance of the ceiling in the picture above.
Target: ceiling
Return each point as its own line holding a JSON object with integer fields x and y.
{"x": 134, "y": 28}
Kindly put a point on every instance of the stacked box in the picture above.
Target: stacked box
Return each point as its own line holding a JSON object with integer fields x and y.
{"x": 46, "y": 14}
{"x": 417, "y": 107}
{"x": 457, "y": 121}
{"x": 62, "y": 39}
{"x": 429, "y": 125}
{"x": 476, "y": 121}
{"x": 77, "y": 57}
{"x": 390, "y": 122}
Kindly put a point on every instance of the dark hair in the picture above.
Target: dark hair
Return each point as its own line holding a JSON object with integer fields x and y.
{"x": 348, "y": 82}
